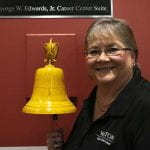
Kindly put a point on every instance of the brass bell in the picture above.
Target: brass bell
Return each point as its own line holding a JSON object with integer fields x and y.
{"x": 49, "y": 94}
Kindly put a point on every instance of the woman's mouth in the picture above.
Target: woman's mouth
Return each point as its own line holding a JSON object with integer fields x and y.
{"x": 103, "y": 69}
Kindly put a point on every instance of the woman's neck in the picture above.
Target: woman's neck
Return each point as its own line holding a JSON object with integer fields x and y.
{"x": 106, "y": 94}
{"x": 111, "y": 90}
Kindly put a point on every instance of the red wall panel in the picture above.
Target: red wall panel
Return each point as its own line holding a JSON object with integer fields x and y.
{"x": 17, "y": 39}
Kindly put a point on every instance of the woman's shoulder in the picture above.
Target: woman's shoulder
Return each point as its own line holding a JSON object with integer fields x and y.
{"x": 142, "y": 101}
{"x": 146, "y": 85}
{"x": 145, "y": 91}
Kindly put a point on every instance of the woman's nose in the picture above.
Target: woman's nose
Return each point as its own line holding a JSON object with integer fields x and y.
{"x": 102, "y": 57}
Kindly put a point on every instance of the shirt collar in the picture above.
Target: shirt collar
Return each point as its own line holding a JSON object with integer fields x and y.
{"x": 127, "y": 96}
{"x": 122, "y": 101}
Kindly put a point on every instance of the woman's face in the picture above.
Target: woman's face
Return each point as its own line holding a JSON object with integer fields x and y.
{"x": 106, "y": 69}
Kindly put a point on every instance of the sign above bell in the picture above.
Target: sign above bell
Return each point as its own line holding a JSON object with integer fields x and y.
{"x": 49, "y": 93}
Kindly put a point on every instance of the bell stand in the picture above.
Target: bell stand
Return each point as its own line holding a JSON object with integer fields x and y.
{"x": 55, "y": 116}
{"x": 55, "y": 121}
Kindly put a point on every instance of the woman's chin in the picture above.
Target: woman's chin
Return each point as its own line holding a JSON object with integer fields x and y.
{"x": 104, "y": 79}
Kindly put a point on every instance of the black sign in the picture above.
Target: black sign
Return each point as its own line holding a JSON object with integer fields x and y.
{"x": 55, "y": 8}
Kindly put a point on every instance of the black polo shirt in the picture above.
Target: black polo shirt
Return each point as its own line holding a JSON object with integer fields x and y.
{"x": 125, "y": 125}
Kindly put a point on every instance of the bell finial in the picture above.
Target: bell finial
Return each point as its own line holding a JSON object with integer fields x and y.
{"x": 51, "y": 50}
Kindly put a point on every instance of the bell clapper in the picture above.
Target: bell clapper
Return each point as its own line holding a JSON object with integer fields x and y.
{"x": 55, "y": 116}
{"x": 55, "y": 121}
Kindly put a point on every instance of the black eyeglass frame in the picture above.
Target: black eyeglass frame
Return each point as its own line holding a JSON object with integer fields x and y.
{"x": 117, "y": 49}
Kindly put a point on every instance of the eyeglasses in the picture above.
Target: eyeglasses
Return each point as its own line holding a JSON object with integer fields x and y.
{"x": 112, "y": 51}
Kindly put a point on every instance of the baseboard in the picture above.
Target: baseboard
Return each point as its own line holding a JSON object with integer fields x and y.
{"x": 25, "y": 148}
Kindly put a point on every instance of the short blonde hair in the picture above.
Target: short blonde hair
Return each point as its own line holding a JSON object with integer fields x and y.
{"x": 109, "y": 27}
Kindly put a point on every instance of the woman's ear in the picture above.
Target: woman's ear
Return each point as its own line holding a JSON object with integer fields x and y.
{"x": 133, "y": 57}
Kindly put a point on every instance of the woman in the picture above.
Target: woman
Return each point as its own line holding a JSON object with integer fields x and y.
{"x": 116, "y": 115}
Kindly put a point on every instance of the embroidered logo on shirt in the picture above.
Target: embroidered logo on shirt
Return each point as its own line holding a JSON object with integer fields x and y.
{"x": 105, "y": 137}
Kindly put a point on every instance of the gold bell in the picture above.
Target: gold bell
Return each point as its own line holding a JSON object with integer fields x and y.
{"x": 49, "y": 94}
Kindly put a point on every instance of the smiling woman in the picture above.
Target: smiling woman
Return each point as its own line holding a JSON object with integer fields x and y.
{"x": 116, "y": 114}
{"x": 115, "y": 57}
